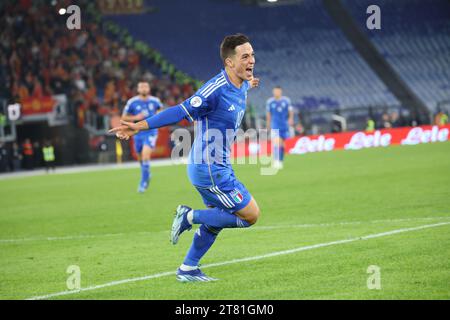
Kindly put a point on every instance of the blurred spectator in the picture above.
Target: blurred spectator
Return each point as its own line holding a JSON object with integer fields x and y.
{"x": 385, "y": 121}
{"x": 38, "y": 92}
{"x": 441, "y": 119}
{"x": 370, "y": 127}
{"x": 16, "y": 156}
{"x": 27, "y": 151}
{"x": 48, "y": 153}
{"x": 3, "y": 158}
{"x": 299, "y": 129}
{"x": 37, "y": 155}
{"x": 414, "y": 119}
{"x": 395, "y": 120}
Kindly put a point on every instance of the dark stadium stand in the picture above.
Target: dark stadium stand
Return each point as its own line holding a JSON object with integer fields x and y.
{"x": 415, "y": 41}
{"x": 298, "y": 47}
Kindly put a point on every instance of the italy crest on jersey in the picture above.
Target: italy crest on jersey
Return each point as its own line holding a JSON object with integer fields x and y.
{"x": 236, "y": 196}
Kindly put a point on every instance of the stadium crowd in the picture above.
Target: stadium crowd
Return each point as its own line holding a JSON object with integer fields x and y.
{"x": 40, "y": 57}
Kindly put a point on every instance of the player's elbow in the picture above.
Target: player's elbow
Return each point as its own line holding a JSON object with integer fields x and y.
{"x": 253, "y": 217}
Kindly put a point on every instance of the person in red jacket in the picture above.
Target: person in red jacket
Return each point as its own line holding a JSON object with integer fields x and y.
{"x": 27, "y": 150}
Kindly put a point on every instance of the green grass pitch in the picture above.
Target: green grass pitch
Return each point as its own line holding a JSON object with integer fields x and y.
{"x": 98, "y": 222}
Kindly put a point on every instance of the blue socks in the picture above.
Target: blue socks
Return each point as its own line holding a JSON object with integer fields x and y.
{"x": 145, "y": 171}
{"x": 281, "y": 153}
{"x": 218, "y": 218}
{"x": 212, "y": 222}
{"x": 204, "y": 237}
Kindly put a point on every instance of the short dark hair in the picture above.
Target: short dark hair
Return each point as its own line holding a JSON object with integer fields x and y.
{"x": 229, "y": 44}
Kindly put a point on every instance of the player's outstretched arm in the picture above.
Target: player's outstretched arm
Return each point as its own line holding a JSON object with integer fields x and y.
{"x": 129, "y": 117}
{"x": 164, "y": 118}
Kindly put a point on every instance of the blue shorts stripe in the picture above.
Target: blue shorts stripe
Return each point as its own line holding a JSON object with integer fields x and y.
{"x": 225, "y": 196}
{"x": 223, "y": 200}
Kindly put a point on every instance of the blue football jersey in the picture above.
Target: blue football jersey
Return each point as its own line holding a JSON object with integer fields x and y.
{"x": 218, "y": 108}
{"x": 148, "y": 107}
{"x": 279, "y": 112}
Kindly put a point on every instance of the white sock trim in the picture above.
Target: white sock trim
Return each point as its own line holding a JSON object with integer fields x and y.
{"x": 190, "y": 218}
{"x": 185, "y": 267}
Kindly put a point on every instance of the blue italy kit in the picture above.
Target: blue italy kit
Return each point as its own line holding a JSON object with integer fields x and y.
{"x": 148, "y": 107}
{"x": 218, "y": 108}
{"x": 279, "y": 116}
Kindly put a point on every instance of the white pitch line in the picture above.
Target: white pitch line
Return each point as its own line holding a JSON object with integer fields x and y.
{"x": 260, "y": 257}
{"x": 344, "y": 223}
{"x": 75, "y": 237}
{"x": 281, "y": 226}
{"x": 90, "y": 168}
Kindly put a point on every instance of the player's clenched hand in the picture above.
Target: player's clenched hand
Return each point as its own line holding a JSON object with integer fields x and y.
{"x": 254, "y": 82}
{"x": 125, "y": 130}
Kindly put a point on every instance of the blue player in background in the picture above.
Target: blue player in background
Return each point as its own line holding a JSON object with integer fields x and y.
{"x": 279, "y": 116}
{"x": 138, "y": 108}
{"x": 217, "y": 108}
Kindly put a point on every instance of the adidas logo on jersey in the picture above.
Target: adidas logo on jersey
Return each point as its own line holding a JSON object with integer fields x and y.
{"x": 232, "y": 108}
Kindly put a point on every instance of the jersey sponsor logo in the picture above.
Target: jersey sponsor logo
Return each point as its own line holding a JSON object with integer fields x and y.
{"x": 196, "y": 101}
{"x": 231, "y": 108}
{"x": 236, "y": 196}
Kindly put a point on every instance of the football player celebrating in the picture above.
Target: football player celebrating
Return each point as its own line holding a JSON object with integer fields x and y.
{"x": 230, "y": 204}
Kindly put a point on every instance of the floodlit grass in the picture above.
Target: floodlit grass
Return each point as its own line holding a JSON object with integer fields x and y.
{"x": 98, "y": 222}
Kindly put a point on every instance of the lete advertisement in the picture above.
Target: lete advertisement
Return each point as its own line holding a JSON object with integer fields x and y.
{"x": 353, "y": 140}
